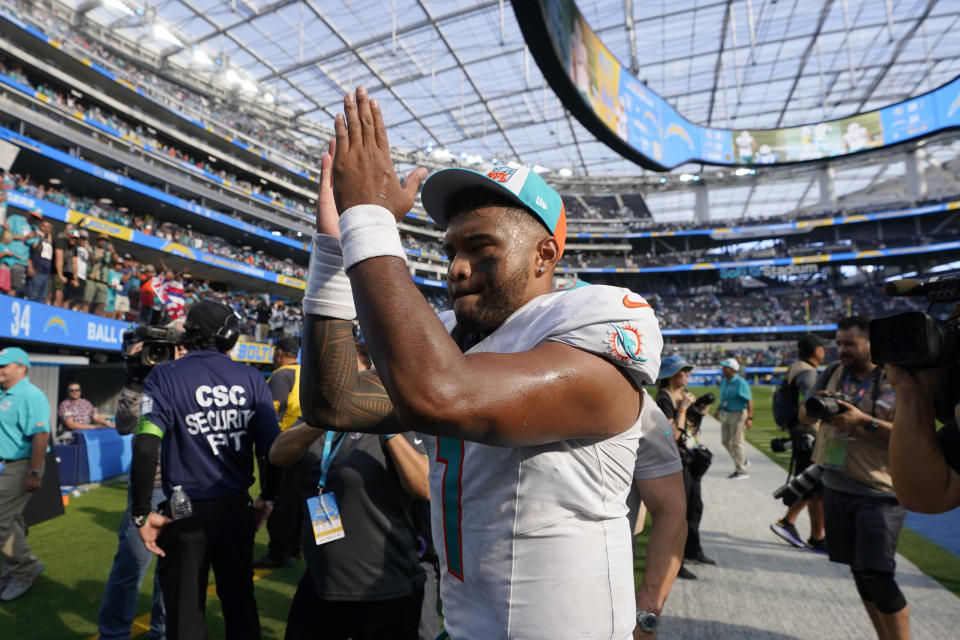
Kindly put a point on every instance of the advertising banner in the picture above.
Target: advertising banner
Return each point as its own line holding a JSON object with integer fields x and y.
{"x": 652, "y": 127}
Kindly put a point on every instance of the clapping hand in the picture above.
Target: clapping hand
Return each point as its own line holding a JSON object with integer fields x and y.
{"x": 363, "y": 171}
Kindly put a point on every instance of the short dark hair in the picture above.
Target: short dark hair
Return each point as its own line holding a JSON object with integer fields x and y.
{"x": 807, "y": 345}
{"x": 470, "y": 198}
{"x": 860, "y": 322}
{"x": 194, "y": 339}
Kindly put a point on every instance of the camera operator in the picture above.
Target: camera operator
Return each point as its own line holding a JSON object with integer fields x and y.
{"x": 863, "y": 516}
{"x": 678, "y": 404}
{"x": 209, "y": 411}
{"x": 802, "y": 379}
{"x": 924, "y": 462}
{"x": 118, "y": 607}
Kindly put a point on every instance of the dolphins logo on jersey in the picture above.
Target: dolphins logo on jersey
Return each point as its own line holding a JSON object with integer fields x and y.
{"x": 625, "y": 342}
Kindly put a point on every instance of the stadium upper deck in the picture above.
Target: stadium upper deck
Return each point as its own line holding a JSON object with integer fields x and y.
{"x": 239, "y": 186}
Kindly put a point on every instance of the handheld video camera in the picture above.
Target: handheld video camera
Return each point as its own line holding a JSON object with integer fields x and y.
{"x": 916, "y": 339}
{"x": 159, "y": 344}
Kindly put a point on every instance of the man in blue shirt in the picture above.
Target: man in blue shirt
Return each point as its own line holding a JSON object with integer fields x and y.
{"x": 735, "y": 411}
{"x": 209, "y": 412}
{"x": 24, "y": 434}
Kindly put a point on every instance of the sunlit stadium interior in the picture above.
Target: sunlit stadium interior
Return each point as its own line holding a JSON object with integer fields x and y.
{"x": 757, "y": 170}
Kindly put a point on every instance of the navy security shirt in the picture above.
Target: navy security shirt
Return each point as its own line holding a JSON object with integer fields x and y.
{"x": 211, "y": 411}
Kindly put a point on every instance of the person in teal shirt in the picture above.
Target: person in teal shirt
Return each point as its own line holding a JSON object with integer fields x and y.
{"x": 24, "y": 434}
{"x": 20, "y": 231}
{"x": 735, "y": 411}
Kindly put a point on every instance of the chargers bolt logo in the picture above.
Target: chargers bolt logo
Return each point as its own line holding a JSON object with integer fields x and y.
{"x": 624, "y": 342}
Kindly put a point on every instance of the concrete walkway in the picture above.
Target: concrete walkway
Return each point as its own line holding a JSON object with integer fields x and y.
{"x": 763, "y": 588}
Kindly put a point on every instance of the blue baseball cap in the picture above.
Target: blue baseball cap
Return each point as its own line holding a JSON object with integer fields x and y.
{"x": 522, "y": 185}
{"x": 672, "y": 365}
{"x": 14, "y": 354}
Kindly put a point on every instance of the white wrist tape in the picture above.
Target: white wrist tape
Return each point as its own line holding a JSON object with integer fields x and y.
{"x": 369, "y": 231}
{"x": 328, "y": 287}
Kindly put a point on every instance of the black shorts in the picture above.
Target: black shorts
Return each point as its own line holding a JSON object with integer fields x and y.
{"x": 862, "y": 531}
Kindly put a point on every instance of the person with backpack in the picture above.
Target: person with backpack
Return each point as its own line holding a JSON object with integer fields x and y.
{"x": 788, "y": 413}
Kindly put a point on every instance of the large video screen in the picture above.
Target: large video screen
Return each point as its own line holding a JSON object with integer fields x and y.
{"x": 647, "y": 124}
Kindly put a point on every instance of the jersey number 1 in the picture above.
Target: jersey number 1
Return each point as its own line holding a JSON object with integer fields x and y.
{"x": 450, "y": 454}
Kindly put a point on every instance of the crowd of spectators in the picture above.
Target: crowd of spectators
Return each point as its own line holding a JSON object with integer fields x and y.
{"x": 770, "y": 355}
{"x": 229, "y": 121}
{"x": 73, "y": 269}
{"x": 145, "y": 223}
{"x": 771, "y": 307}
{"x": 226, "y": 120}
{"x": 68, "y": 102}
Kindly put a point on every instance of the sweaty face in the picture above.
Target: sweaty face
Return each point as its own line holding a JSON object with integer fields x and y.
{"x": 490, "y": 255}
{"x": 853, "y": 347}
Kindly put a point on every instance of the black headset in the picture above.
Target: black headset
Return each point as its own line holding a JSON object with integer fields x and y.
{"x": 228, "y": 334}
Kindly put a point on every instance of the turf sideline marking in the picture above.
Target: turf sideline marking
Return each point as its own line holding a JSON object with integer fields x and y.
{"x": 141, "y": 624}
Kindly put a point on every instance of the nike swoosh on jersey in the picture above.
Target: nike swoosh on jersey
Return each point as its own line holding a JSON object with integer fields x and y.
{"x": 630, "y": 304}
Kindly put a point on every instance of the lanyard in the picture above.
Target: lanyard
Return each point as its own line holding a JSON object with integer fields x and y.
{"x": 327, "y": 458}
{"x": 859, "y": 395}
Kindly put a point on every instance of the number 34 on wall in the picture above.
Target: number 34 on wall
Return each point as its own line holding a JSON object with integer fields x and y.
{"x": 19, "y": 319}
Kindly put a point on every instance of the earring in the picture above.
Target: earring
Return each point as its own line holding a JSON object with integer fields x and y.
{"x": 541, "y": 270}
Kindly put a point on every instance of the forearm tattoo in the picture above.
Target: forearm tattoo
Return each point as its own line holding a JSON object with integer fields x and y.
{"x": 333, "y": 393}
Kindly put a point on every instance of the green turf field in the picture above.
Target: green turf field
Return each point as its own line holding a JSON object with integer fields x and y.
{"x": 78, "y": 548}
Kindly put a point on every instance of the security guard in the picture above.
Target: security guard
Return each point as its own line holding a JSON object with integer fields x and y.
{"x": 287, "y": 515}
{"x": 209, "y": 411}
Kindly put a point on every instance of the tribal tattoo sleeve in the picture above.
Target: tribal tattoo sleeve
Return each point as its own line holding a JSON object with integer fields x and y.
{"x": 334, "y": 394}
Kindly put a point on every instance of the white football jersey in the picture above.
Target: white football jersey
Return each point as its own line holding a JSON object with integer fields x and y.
{"x": 534, "y": 541}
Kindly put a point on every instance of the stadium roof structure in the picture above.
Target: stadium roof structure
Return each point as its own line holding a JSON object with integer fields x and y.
{"x": 458, "y": 84}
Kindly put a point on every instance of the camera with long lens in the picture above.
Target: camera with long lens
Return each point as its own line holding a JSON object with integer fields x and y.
{"x": 822, "y": 407}
{"x": 798, "y": 488}
{"x": 803, "y": 443}
{"x": 916, "y": 339}
{"x": 159, "y": 342}
{"x": 698, "y": 408}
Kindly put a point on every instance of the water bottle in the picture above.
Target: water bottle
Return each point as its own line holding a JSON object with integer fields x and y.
{"x": 180, "y": 506}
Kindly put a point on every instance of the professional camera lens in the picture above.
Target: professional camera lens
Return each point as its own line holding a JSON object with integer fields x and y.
{"x": 155, "y": 353}
{"x": 801, "y": 486}
{"x": 913, "y": 339}
{"x": 779, "y": 445}
{"x": 820, "y": 407}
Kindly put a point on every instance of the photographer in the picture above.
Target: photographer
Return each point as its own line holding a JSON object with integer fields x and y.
{"x": 801, "y": 380}
{"x": 924, "y": 462}
{"x": 118, "y": 607}
{"x": 863, "y": 516}
{"x": 679, "y": 405}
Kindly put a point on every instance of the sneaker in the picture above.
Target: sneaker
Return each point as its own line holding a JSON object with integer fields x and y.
{"x": 817, "y": 546}
{"x": 738, "y": 475}
{"x": 273, "y": 562}
{"x": 701, "y": 558}
{"x": 16, "y": 587}
{"x": 788, "y": 532}
{"x": 686, "y": 574}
